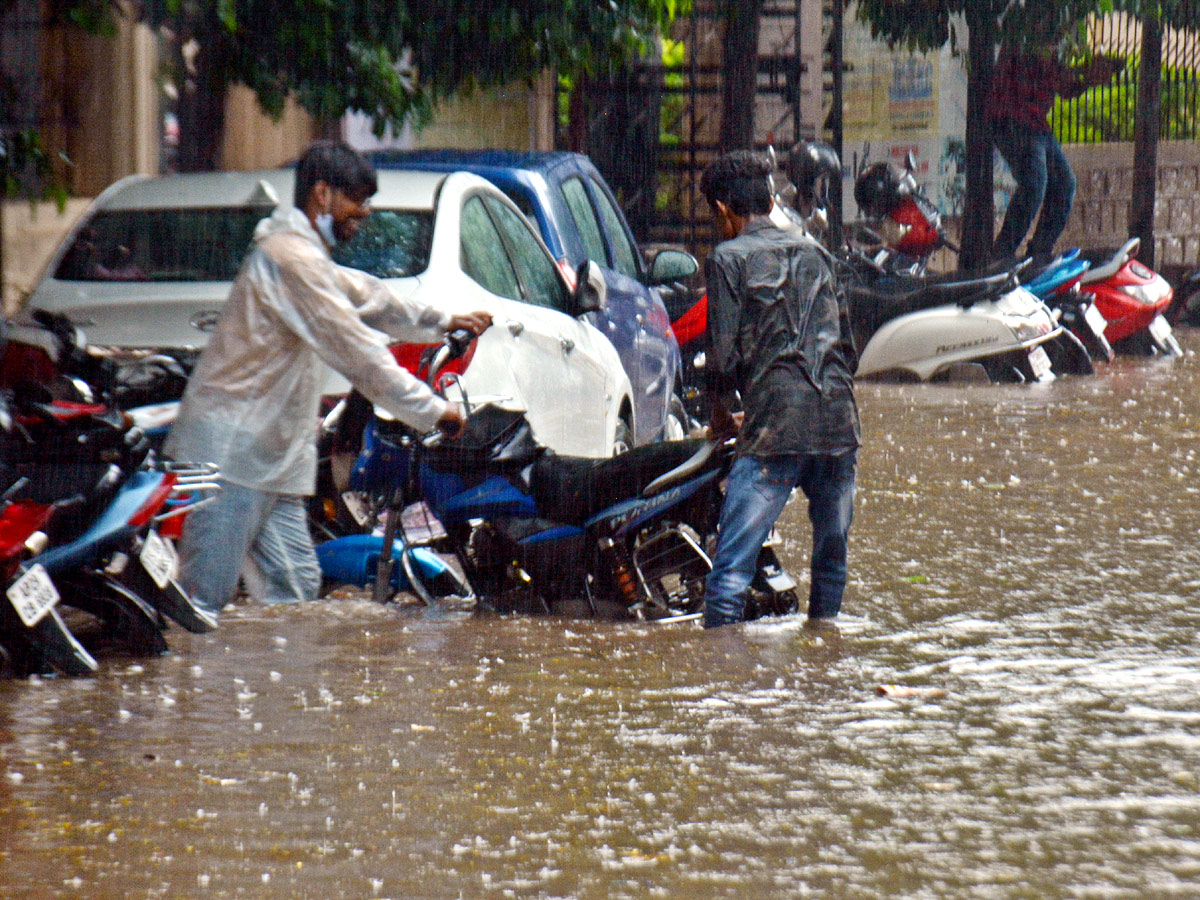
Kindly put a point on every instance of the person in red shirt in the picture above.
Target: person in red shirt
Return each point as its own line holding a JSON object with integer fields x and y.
{"x": 1023, "y": 93}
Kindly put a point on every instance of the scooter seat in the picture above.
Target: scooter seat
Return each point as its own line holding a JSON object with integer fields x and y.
{"x": 572, "y": 489}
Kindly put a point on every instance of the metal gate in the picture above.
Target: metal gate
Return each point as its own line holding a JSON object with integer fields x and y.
{"x": 1107, "y": 113}
{"x": 653, "y": 128}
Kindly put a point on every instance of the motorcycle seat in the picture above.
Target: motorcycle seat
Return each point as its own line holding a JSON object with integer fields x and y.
{"x": 572, "y": 489}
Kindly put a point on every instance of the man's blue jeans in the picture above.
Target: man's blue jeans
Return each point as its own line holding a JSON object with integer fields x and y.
{"x": 755, "y": 493}
{"x": 258, "y": 536}
{"x": 1044, "y": 179}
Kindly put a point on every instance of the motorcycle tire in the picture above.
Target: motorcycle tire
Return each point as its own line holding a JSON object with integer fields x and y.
{"x": 47, "y": 647}
{"x": 128, "y": 623}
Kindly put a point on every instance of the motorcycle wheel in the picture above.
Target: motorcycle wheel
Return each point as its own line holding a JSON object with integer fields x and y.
{"x": 677, "y": 424}
{"x": 127, "y": 622}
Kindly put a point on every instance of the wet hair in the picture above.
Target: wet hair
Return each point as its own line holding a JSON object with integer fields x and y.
{"x": 741, "y": 180}
{"x": 337, "y": 164}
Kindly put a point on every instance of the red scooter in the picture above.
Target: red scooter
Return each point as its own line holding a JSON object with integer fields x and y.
{"x": 1134, "y": 299}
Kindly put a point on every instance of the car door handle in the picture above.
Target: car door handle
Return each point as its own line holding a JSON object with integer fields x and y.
{"x": 567, "y": 344}
{"x": 515, "y": 327}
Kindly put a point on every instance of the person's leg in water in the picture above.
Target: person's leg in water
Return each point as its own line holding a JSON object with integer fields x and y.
{"x": 217, "y": 537}
{"x": 282, "y": 566}
{"x": 1026, "y": 159}
{"x": 1056, "y": 205}
{"x": 755, "y": 494}
{"x": 828, "y": 482}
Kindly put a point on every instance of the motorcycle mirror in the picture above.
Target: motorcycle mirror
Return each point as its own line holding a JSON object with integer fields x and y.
{"x": 673, "y": 265}
{"x": 910, "y": 161}
{"x": 591, "y": 292}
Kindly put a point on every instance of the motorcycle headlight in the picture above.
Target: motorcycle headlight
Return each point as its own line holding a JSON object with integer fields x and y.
{"x": 1149, "y": 294}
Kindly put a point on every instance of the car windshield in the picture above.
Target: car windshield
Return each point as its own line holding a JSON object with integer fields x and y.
{"x": 192, "y": 244}
{"x": 390, "y": 243}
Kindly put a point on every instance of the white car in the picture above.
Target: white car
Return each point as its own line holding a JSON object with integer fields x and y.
{"x": 150, "y": 265}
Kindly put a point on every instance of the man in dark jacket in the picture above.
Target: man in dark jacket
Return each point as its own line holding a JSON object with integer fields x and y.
{"x": 781, "y": 341}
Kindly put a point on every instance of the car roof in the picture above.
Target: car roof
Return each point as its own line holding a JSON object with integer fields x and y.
{"x": 267, "y": 187}
{"x": 449, "y": 159}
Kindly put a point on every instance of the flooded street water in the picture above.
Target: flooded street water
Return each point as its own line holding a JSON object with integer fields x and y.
{"x": 1028, "y": 554}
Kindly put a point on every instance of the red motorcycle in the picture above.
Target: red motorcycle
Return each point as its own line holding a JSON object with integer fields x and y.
{"x": 1134, "y": 300}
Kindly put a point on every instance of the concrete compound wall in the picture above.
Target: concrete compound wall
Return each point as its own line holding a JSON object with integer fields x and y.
{"x": 1100, "y": 218}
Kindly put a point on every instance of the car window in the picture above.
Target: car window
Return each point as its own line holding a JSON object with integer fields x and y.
{"x": 625, "y": 262}
{"x": 585, "y": 220}
{"x": 161, "y": 244}
{"x": 390, "y": 243}
{"x": 524, "y": 204}
{"x": 483, "y": 256}
{"x": 536, "y": 268}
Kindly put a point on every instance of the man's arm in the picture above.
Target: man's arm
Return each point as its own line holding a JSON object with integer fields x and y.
{"x": 310, "y": 300}
{"x": 722, "y": 366}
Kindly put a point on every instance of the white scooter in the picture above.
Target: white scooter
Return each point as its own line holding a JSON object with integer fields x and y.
{"x": 926, "y": 328}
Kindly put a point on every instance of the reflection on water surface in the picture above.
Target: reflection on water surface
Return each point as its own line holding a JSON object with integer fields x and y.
{"x": 1031, "y": 552}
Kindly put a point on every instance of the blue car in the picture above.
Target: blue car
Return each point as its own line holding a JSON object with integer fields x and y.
{"x": 579, "y": 219}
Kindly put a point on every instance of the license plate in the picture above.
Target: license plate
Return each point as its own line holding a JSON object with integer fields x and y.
{"x": 1039, "y": 362}
{"x": 33, "y": 595}
{"x": 158, "y": 559}
{"x": 1160, "y": 329}
{"x": 1095, "y": 318}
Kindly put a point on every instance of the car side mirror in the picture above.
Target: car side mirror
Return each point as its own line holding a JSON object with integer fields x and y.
{"x": 673, "y": 265}
{"x": 591, "y": 292}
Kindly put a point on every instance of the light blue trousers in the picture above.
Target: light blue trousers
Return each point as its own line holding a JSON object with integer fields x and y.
{"x": 261, "y": 537}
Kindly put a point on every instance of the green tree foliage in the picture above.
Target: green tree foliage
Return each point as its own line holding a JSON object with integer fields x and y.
{"x": 1106, "y": 113}
{"x": 392, "y": 59}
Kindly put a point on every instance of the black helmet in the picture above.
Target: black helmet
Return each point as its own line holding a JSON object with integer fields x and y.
{"x": 811, "y": 165}
{"x": 879, "y": 188}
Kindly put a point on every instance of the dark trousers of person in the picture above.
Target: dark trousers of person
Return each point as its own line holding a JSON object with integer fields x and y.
{"x": 1044, "y": 180}
{"x": 755, "y": 494}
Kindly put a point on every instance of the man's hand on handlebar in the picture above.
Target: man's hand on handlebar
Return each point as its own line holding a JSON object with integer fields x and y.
{"x": 477, "y": 322}
{"x": 453, "y": 421}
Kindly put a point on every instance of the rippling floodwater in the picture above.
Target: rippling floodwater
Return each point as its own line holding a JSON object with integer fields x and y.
{"x": 1026, "y": 553}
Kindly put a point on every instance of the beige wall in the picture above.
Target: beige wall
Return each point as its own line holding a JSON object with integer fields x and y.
{"x": 253, "y": 140}
{"x": 31, "y": 232}
{"x": 511, "y": 118}
{"x": 101, "y": 104}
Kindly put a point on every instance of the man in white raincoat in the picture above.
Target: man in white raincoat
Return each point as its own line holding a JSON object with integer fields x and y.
{"x": 251, "y": 405}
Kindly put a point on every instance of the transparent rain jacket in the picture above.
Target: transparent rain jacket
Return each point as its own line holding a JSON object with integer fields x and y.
{"x": 251, "y": 406}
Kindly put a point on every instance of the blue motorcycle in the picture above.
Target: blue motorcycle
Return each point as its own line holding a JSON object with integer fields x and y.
{"x": 530, "y": 531}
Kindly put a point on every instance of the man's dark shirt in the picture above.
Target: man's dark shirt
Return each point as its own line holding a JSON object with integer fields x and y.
{"x": 776, "y": 327}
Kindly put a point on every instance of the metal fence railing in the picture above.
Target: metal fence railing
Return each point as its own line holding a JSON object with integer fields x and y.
{"x": 1106, "y": 113}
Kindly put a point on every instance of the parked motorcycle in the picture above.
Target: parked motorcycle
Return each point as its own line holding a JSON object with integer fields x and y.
{"x": 630, "y": 536}
{"x": 1018, "y": 338}
{"x": 33, "y": 636}
{"x": 107, "y": 499}
{"x": 1057, "y": 284}
{"x": 1134, "y": 299}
